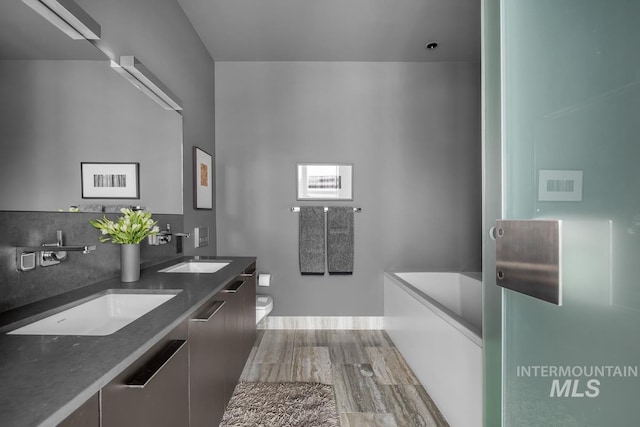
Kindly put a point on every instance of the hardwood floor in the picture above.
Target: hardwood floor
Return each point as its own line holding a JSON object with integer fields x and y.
{"x": 373, "y": 385}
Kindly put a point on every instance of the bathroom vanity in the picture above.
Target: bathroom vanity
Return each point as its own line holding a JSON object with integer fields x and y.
{"x": 176, "y": 365}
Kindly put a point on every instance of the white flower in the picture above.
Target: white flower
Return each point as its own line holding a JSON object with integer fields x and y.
{"x": 131, "y": 227}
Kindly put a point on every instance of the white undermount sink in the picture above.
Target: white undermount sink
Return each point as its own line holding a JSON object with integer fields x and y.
{"x": 103, "y": 315}
{"x": 196, "y": 267}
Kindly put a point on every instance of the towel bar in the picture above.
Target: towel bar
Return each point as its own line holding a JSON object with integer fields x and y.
{"x": 296, "y": 209}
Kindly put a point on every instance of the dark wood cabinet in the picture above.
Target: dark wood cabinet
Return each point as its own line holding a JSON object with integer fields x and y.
{"x": 240, "y": 323}
{"x": 234, "y": 326}
{"x": 87, "y": 415}
{"x": 154, "y": 390}
{"x": 208, "y": 347}
{"x": 188, "y": 377}
{"x": 249, "y": 309}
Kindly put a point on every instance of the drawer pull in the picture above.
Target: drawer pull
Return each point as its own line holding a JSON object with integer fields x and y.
{"x": 234, "y": 287}
{"x": 206, "y": 315}
{"x": 147, "y": 372}
{"x": 249, "y": 272}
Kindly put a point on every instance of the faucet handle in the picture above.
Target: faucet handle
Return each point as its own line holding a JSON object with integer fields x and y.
{"x": 52, "y": 257}
{"x": 59, "y": 238}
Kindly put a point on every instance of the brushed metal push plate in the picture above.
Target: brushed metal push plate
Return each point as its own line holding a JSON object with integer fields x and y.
{"x": 528, "y": 258}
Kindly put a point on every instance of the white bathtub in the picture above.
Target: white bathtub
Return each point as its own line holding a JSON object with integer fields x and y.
{"x": 435, "y": 320}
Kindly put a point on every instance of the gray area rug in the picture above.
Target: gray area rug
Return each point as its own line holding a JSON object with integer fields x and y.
{"x": 281, "y": 405}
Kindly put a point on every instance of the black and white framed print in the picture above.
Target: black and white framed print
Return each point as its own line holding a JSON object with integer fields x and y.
{"x": 325, "y": 181}
{"x": 110, "y": 180}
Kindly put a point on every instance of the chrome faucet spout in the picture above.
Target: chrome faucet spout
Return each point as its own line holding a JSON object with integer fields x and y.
{"x": 48, "y": 253}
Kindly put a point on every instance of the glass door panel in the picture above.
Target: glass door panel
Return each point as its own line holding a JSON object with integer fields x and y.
{"x": 571, "y": 151}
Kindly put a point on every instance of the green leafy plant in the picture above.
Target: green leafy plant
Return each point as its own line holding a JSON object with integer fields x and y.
{"x": 131, "y": 228}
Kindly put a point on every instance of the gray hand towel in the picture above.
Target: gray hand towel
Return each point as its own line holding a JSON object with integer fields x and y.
{"x": 340, "y": 240}
{"x": 311, "y": 240}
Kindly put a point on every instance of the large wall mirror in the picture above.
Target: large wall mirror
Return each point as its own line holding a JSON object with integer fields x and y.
{"x": 61, "y": 105}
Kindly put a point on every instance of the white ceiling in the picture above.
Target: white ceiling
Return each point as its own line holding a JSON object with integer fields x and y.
{"x": 337, "y": 30}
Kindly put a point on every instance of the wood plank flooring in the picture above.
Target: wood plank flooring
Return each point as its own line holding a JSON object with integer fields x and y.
{"x": 373, "y": 385}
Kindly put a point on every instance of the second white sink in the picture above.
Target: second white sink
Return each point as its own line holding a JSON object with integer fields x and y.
{"x": 196, "y": 267}
{"x": 100, "y": 316}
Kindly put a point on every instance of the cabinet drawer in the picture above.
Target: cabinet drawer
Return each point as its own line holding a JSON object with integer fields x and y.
{"x": 154, "y": 390}
{"x": 208, "y": 347}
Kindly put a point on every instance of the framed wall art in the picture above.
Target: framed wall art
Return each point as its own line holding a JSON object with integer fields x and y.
{"x": 110, "y": 180}
{"x": 324, "y": 181}
{"x": 202, "y": 179}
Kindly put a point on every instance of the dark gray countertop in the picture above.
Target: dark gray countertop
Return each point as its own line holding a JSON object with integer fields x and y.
{"x": 43, "y": 379}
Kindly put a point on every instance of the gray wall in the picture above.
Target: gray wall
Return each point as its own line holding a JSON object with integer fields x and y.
{"x": 159, "y": 34}
{"x": 412, "y": 131}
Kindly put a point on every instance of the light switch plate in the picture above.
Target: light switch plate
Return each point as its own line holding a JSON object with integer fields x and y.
{"x": 201, "y": 237}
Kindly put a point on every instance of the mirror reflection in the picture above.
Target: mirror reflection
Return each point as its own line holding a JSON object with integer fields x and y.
{"x": 61, "y": 105}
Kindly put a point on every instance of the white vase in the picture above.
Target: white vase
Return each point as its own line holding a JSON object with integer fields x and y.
{"x": 129, "y": 263}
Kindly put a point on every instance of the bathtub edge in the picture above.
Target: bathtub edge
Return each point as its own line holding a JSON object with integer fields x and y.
{"x": 463, "y": 326}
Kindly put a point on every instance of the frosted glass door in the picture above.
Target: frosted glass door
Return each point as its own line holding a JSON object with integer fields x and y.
{"x": 571, "y": 151}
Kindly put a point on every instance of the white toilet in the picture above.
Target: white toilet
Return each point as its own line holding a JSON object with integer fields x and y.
{"x": 264, "y": 305}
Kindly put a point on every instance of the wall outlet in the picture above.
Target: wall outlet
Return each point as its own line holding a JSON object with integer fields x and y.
{"x": 201, "y": 237}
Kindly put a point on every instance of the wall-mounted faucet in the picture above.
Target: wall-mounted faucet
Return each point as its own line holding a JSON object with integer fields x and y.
{"x": 49, "y": 253}
{"x": 164, "y": 236}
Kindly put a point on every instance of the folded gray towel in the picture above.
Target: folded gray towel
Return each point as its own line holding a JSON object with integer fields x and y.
{"x": 340, "y": 240}
{"x": 311, "y": 240}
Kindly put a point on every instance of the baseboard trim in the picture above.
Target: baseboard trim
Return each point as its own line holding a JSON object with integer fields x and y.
{"x": 322, "y": 322}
